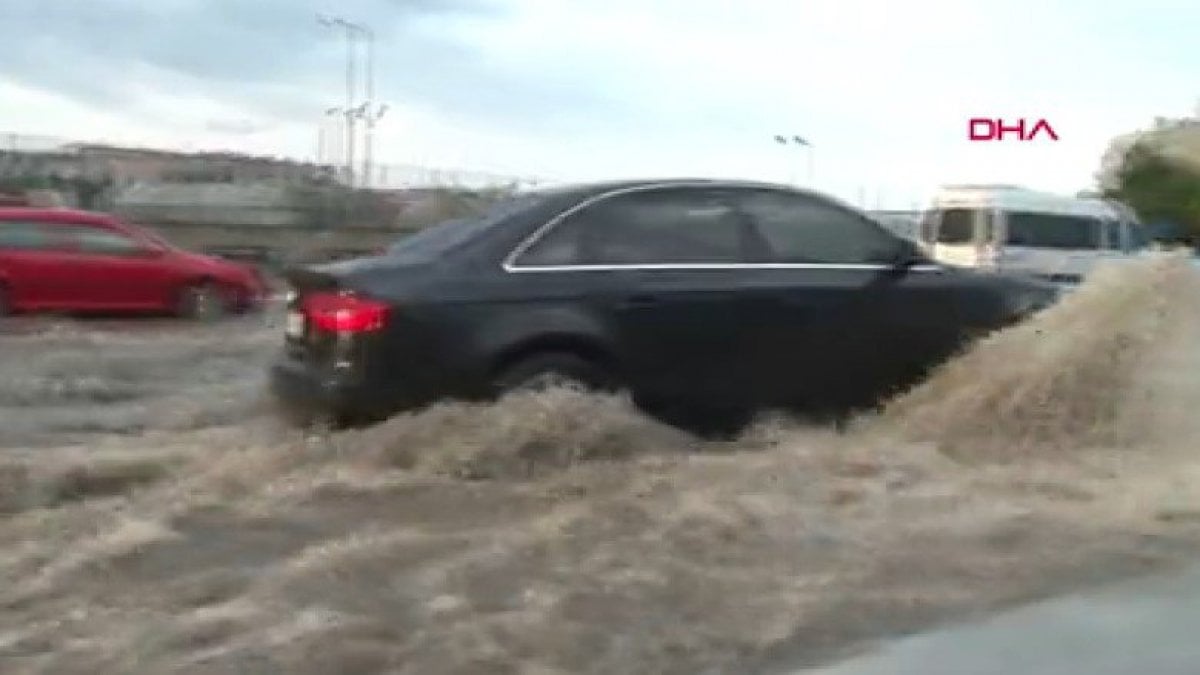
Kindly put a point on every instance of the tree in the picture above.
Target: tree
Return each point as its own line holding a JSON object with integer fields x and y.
{"x": 1160, "y": 189}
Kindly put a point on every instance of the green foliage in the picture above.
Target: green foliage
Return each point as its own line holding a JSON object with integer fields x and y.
{"x": 1160, "y": 189}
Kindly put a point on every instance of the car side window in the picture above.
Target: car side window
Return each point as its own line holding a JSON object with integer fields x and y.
{"x": 23, "y": 236}
{"x": 659, "y": 226}
{"x": 806, "y": 230}
{"x": 100, "y": 241}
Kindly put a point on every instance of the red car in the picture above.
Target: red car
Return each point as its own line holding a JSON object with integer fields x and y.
{"x": 67, "y": 260}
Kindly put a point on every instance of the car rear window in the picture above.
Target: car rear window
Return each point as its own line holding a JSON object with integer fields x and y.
{"x": 150, "y": 235}
{"x": 98, "y": 240}
{"x": 437, "y": 240}
{"x": 101, "y": 241}
{"x": 1049, "y": 230}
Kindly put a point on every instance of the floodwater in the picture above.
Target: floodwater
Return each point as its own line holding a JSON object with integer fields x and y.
{"x": 155, "y": 516}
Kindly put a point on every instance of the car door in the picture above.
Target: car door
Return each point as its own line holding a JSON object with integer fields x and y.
{"x": 31, "y": 269}
{"x": 840, "y": 321}
{"x": 114, "y": 270}
{"x": 664, "y": 265}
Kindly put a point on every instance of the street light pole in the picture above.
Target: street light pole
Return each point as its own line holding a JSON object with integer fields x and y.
{"x": 799, "y": 142}
{"x": 331, "y": 146}
{"x": 371, "y": 117}
{"x": 368, "y": 140}
{"x": 349, "y": 107}
{"x": 352, "y": 32}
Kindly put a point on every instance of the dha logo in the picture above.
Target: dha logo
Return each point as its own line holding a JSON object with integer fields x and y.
{"x": 986, "y": 129}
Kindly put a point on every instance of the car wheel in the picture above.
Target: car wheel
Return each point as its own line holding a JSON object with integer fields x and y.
{"x": 555, "y": 369}
{"x": 202, "y": 301}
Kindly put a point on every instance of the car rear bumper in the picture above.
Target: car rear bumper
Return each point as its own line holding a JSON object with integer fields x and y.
{"x": 303, "y": 388}
{"x": 341, "y": 394}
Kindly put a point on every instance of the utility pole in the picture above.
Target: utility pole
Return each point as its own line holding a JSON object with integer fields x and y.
{"x": 371, "y": 111}
{"x": 349, "y": 107}
{"x": 352, "y": 31}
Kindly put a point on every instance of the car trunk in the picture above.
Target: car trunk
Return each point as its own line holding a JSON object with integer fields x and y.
{"x": 327, "y": 318}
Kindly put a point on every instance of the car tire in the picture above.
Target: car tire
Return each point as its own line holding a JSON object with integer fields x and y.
{"x": 539, "y": 372}
{"x": 202, "y": 301}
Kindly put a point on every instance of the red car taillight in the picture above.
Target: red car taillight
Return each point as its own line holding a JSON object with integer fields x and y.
{"x": 344, "y": 313}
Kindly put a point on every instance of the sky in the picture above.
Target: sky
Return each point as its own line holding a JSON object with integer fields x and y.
{"x": 572, "y": 90}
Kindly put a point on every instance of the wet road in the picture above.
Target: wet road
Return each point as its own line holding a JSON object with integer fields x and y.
{"x": 1145, "y": 626}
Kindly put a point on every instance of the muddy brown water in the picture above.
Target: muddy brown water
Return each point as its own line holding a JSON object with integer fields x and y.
{"x": 155, "y": 517}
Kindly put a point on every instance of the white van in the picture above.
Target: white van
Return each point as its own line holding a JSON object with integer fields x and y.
{"x": 1014, "y": 229}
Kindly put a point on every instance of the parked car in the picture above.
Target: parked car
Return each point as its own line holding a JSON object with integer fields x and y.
{"x": 54, "y": 259}
{"x": 724, "y": 295}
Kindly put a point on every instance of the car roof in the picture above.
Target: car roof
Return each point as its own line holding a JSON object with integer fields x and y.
{"x": 585, "y": 190}
{"x": 53, "y": 214}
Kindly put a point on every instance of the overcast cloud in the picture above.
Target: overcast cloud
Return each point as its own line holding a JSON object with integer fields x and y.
{"x": 592, "y": 88}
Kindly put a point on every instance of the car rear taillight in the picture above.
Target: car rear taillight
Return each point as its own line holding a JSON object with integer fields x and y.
{"x": 344, "y": 312}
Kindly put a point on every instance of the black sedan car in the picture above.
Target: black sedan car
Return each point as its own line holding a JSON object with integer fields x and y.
{"x": 722, "y": 295}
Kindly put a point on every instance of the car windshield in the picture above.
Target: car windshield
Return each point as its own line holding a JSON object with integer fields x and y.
{"x": 439, "y": 239}
{"x": 957, "y": 226}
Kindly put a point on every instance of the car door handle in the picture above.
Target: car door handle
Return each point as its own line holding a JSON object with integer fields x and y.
{"x": 639, "y": 302}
